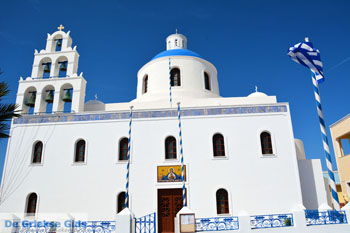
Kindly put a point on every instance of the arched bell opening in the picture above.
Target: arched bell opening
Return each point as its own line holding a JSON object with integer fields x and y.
{"x": 47, "y": 98}
{"x": 66, "y": 97}
{"x": 61, "y": 66}
{"x": 45, "y": 68}
{"x": 29, "y": 100}
{"x": 57, "y": 43}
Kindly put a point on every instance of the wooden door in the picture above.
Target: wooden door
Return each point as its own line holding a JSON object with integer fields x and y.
{"x": 169, "y": 203}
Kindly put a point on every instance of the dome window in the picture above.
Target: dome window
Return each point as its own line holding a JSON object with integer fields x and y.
{"x": 207, "y": 81}
{"x": 175, "y": 78}
{"x": 145, "y": 84}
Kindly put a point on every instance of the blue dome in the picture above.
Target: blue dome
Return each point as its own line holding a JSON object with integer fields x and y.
{"x": 177, "y": 52}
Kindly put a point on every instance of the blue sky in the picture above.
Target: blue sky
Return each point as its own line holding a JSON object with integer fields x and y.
{"x": 246, "y": 40}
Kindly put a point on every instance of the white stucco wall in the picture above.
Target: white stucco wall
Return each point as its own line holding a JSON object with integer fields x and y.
{"x": 255, "y": 184}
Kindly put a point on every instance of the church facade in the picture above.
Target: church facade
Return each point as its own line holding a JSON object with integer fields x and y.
{"x": 67, "y": 158}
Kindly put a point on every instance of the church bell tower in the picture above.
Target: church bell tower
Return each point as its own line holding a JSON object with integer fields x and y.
{"x": 54, "y": 85}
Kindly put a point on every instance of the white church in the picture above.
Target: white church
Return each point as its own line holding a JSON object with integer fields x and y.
{"x": 242, "y": 170}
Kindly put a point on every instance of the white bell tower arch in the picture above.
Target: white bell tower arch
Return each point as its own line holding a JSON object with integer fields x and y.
{"x": 54, "y": 80}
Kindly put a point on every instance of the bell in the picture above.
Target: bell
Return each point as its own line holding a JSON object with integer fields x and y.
{"x": 46, "y": 68}
{"x": 30, "y": 102}
{"x": 59, "y": 42}
{"x": 49, "y": 96}
{"x": 63, "y": 66}
{"x": 67, "y": 97}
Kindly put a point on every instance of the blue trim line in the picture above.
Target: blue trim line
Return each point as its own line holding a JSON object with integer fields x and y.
{"x": 71, "y": 117}
{"x": 176, "y": 52}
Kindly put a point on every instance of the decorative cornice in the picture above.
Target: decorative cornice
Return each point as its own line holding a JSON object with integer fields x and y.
{"x": 76, "y": 117}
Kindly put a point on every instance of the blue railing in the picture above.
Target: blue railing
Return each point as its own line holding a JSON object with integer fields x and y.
{"x": 271, "y": 221}
{"x": 146, "y": 224}
{"x": 96, "y": 227}
{"x": 315, "y": 217}
{"x": 217, "y": 224}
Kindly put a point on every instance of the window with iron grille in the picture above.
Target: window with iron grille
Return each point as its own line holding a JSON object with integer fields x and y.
{"x": 123, "y": 149}
{"x": 170, "y": 148}
{"x": 80, "y": 151}
{"x": 175, "y": 77}
{"x": 37, "y": 152}
{"x": 266, "y": 143}
{"x": 121, "y": 202}
{"x": 218, "y": 145}
{"x": 31, "y": 204}
{"x": 222, "y": 202}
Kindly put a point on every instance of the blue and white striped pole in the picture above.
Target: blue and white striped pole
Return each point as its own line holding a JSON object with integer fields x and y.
{"x": 335, "y": 199}
{"x": 307, "y": 55}
{"x": 184, "y": 198}
{"x": 170, "y": 94}
{"x": 128, "y": 164}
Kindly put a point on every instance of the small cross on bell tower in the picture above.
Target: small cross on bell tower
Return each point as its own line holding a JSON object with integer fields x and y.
{"x": 60, "y": 28}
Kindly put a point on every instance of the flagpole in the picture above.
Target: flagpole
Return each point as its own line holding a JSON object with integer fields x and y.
{"x": 128, "y": 163}
{"x": 184, "y": 196}
{"x": 325, "y": 143}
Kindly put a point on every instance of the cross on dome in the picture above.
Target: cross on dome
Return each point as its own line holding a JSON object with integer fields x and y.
{"x": 60, "y": 28}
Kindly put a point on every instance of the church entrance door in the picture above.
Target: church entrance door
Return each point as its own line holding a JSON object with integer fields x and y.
{"x": 169, "y": 203}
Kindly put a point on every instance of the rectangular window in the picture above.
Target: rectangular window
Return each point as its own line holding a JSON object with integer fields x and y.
{"x": 345, "y": 146}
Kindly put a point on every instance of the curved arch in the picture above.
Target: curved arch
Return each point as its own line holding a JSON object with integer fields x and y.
{"x": 57, "y": 42}
{"x": 47, "y": 98}
{"x": 175, "y": 77}
{"x": 222, "y": 205}
{"x": 145, "y": 84}
{"x": 31, "y": 204}
{"x": 66, "y": 98}
{"x": 37, "y": 152}
{"x": 207, "y": 83}
{"x": 121, "y": 201}
{"x": 218, "y": 145}
{"x": 266, "y": 143}
{"x": 79, "y": 152}
{"x": 123, "y": 149}
{"x": 45, "y": 67}
{"x": 170, "y": 147}
{"x": 29, "y": 99}
{"x": 61, "y": 66}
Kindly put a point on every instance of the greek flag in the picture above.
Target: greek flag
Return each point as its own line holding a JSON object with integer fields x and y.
{"x": 305, "y": 54}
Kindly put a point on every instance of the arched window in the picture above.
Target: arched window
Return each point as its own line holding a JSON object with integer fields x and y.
{"x": 121, "y": 202}
{"x": 222, "y": 201}
{"x": 123, "y": 149}
{"x": 80, "y": 151}
{"x": 31, "y": 204}
{"x": 145, "y": 84}
{"x": 37, "y": 152}
{"x": 266, "y": 143}
{"x": 170, "y": 148}
{"x": 206, "y": 81}
{"x": 175, "y": 79}
{"x": 218, "y": 145}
